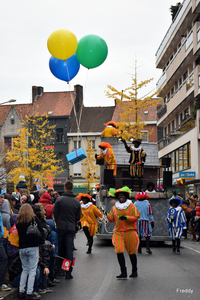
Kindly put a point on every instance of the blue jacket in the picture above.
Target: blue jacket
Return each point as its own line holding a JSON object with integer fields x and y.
{"x": 179, "y": 217}
{"x": 145, "y": 210}
{"x": 1, "y": 227}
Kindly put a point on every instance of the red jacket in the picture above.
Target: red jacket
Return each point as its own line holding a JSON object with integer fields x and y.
{"x": 46, "y": 200}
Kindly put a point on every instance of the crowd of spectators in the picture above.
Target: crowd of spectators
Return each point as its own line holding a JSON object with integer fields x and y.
{"x": 29, "y": 267}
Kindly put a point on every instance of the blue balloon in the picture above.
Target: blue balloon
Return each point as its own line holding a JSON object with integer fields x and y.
{"x": 64, "y": 70}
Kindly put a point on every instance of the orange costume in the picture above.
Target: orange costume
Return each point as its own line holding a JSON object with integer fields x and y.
{"x": 89, "y": 213}
{"x": 110, "y": 130}
{"x": 109, "y": 157}
{"x": 125, "y": 231}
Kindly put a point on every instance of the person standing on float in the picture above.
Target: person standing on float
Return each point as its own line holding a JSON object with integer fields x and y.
{"x": 125, "y": 215}
{"x": 109, "y": 157}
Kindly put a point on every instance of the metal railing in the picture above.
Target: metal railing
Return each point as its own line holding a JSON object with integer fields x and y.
{"x": 172, "y": 28}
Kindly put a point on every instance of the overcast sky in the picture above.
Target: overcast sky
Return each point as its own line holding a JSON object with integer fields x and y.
{"x": 132, "y": 29}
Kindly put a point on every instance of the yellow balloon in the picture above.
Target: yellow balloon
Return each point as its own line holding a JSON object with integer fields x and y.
{"x": 62, "y": 44}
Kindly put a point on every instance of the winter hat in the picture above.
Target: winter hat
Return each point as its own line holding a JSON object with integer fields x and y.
{"x": 2, "y": 192}
{"x": 141, "y": 196}
{"x": 198, "y": 210}
{"x": 125, "y": 189}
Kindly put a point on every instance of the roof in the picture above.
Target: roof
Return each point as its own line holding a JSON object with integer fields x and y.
{"x": 58, "y": 103}
{"x": 22, "y": 110}
{"x": 122, "y": 157}
{"x": 93, "y": 119}
{"x": 150, "y": 116}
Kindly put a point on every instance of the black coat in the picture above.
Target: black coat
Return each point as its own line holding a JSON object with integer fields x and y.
{"x": 45, "y": 251}
{"x": 15, "y": 268}
{"x": 67, "y": 212}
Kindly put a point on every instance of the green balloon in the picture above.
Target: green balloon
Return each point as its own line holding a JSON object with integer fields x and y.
{"x": 92, "y": 51}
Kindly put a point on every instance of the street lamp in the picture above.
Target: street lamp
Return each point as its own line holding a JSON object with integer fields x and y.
{"x": 9, "y": 101}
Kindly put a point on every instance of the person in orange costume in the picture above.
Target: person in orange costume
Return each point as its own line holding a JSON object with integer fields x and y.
{"x": 109, "y": 156}
{"x": 89, "y": 215}
{"x": 125, "y": 215}
{"x": 110, "y": 130}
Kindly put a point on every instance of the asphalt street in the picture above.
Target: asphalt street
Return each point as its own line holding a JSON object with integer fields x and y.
{"x": 162, "y": 275}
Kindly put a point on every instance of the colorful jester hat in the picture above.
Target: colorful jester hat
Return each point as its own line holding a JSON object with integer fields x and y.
{"x": 141, "y": 196}
{"x": 81, "y": 196}
{"x": 125, "y": 189}
{"x": 177, "y": 199}
{"x": 111, "y": 192}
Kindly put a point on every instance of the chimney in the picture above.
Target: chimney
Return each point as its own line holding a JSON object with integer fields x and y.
{"x": 40, "y": 90}
{"x": 36, "y": 91}
{"x": 78, "y": 90}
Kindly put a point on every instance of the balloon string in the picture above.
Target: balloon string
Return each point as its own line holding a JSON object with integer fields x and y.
{"x": 84, "y": 90}
{"x": 78, "y": 123}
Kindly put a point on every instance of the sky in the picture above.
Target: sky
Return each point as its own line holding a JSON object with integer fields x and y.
{"x": 132, "y": 30}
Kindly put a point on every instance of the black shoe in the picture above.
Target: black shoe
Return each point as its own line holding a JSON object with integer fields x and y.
{"x": 30, "y": 297}
{"x": 68, "y": 277}
{"x": 21, "y": 295}
{"x": 134, "y": 274}
{"x": 149, "y": 251}
{"x": 89, "y": 251}
{"x": 122, "y": 276}
{"x": 174, "y": 249}
{"x": 50, "y": 283}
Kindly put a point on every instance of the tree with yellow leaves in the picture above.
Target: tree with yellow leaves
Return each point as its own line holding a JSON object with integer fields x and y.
{"x": 90, "y": 167}
{"x": 132, "y": 107}
{"x": 32, "y": 152}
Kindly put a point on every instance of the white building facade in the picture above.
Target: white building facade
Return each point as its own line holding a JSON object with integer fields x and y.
{"x": 179, "y": 118}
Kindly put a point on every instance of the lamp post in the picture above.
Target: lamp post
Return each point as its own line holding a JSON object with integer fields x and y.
{"x": 9, "y": 101}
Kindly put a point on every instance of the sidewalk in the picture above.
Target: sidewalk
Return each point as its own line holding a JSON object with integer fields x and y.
{"x": 10, "y": 295}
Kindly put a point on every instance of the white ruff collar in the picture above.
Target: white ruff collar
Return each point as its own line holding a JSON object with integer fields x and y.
{"x": 85, "y": 206}
{"x": 178, "y": 208}
{"x": 124, "y": 205}
{"x": 104, "y": 151}
{"x": 135, "y": 149}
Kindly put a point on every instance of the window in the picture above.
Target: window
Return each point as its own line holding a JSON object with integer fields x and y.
{"x": 186, "y": 113}
{"x": 93, "y": 144}
{"x": 8, "y": 141}
{"x": 172, "y": 91}
{"x": 181, "y": 118}
{"x": 77, "y": 169}
{"x": 12, "y": 120}
{"x": 165, "y": 131}
{"x": 144, "y": 136}
{"x": 168, "y": 128}
{"x": 180, "y": 81}
{"x": 77, "y": 144}
{"x": 173, "y": 125}
{"x": 180, "y": 158}
{"x": 185, "y": 75}
{"x": 59, "y": 135}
